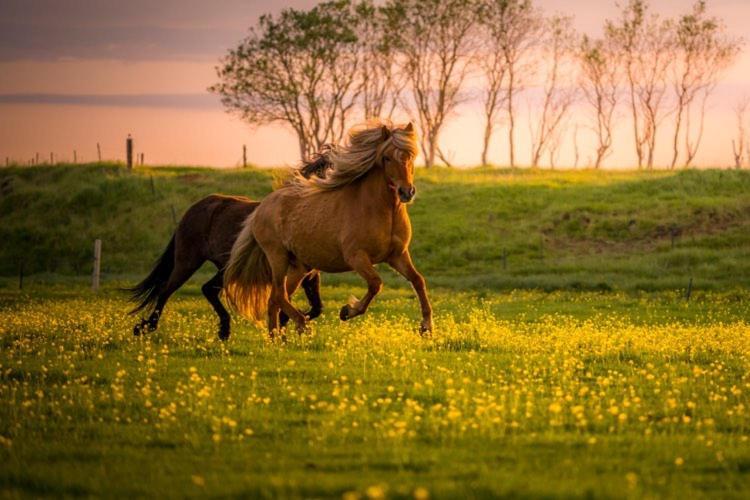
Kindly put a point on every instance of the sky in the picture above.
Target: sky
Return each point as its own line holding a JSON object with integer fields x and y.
{"x": 75, "y": 73}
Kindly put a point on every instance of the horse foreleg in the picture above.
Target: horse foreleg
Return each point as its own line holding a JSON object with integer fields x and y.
{"x": 404, "y": 266}
{"x": 361, "y": 264}
{"x": 212, "y": 290}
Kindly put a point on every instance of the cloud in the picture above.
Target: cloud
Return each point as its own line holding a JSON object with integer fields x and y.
{"x": 173, "y": 101}
{"x": 132, "y": 30}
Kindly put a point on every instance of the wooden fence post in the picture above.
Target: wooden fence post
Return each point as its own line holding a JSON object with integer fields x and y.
{"x": 75, "y": 156}
{"x": 143, "y": 159}
{"x": 689, "y": 290}
{"x": 97, "y": 265}
{"x": 52, "y": 158}
{"x": 36, "y": 159}
{"x": 244, "y": 156}
{"x": 129, "y": 151}
{"x": 99, "y": 152}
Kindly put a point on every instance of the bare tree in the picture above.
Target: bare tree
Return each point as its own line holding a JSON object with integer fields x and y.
{"x": 556, "y": 53}
{"x": 741, "y": 142}
{"x": 644, "y": 41}
{"x": 600, "y": 81}
{"x": 511, "y": 34}
{"x": 435, "y": 44}
{"x": 493, "y": 67}
{"x": 554, "y": 143}
{"x": 299, "y": 68}
{"x": 381, "y": 83}
{"x": 702, "y": 52}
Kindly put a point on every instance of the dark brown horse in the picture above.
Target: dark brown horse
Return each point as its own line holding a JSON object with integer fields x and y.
{"x": 353, "y": 217}
{"x": 206, "y": 232}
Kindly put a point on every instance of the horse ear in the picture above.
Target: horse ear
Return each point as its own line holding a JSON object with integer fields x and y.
{"x": 409, "y": 127}
{"x": 386, "y": 132}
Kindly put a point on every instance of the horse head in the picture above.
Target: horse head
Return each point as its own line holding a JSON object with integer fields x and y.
{"x": 398, "y": 160}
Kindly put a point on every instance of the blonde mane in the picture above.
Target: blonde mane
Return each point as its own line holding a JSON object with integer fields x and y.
{"x": 365, "y": 145}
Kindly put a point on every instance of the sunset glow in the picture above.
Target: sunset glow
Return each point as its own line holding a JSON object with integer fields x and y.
{"x": 74, "y": 76}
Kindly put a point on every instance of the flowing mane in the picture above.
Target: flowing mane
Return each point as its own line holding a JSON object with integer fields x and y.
{"x": 337, "y": 166}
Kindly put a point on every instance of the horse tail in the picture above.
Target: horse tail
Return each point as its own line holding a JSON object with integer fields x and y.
{"x": 247, "y": 275}
{"x": 146, "y": 293}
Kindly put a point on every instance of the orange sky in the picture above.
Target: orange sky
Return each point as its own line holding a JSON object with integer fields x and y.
{"x": 172, "y": 51}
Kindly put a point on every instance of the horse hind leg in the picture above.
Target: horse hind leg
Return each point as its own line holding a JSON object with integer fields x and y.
{"x": 311, "y": 286}
{"x": 279, "y": 299}
{"x": 180, "y": 274}
{"x": 294, "y": 277}
{"x": 212, "y": 291}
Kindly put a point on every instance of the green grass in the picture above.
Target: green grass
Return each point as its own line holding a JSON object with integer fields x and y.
{"x": 577, "y": 370}
{"x": 516, "y": 394}
{"x": 584, "y": 230}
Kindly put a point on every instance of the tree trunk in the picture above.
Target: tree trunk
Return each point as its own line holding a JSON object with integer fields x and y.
{"x": 486, "y": 143}
{"x": 677, "y": 129}
{"x": 429, "y": 160}
{"x": 511, "y": 120}
{"x": 599, "y": 157}
{"x": 511, "y": 132}
{"x": 634, "y": 111}
{"x": 302, "y": 147}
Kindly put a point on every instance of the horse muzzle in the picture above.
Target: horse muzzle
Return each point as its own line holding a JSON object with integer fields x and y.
{"x": 406, "y": 194}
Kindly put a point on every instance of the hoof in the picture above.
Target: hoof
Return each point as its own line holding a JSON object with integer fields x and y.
{"x": 142, "y": 328}
{"x": 425, "y": 328}
{"x": 345, "y": 314}
{"x": 312, "y": 314}
{"x": 224, "y": 329}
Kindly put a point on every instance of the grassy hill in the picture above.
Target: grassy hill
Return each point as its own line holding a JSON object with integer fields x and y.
{"x": 478, "y": 228}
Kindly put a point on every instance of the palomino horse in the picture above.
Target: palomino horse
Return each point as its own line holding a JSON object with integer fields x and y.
{"x": 206, "y": 233}
{"x": 350, "y": 219}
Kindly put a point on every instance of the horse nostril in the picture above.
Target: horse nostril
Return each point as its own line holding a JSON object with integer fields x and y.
{"x": 412, "y": 191}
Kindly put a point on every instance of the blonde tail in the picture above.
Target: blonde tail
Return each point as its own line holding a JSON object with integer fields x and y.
{"x": 247, "y": 276}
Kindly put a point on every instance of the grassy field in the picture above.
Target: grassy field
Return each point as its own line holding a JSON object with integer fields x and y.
{"x": 578, "y": 370}
{"x": 519, "y": 394}
{"x": 583, "y": 230}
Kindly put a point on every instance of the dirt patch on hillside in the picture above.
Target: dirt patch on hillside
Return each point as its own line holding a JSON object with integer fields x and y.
{"x": 580, "y": 232}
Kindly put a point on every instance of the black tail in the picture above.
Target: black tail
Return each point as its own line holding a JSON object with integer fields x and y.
{"x": 147, "y": 291}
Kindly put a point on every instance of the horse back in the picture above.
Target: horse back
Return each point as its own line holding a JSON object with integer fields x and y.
{"x": 211, "y": 225}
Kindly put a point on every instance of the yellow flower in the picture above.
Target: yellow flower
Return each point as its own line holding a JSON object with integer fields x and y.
{"x": 374, "y": 492}
{"x": 421, "y": 493}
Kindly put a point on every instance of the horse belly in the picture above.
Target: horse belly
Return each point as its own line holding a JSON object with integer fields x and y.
{"x": 315, "y": 249}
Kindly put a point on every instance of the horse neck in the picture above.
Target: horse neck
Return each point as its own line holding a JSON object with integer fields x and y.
{"x": 375, "y": 191}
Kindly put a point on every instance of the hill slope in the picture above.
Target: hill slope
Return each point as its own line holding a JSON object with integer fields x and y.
{"x": 590, "y": 230}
